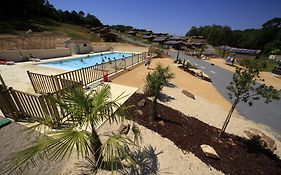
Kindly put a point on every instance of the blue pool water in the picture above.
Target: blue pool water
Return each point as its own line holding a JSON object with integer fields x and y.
{"x": 80, "y": 62}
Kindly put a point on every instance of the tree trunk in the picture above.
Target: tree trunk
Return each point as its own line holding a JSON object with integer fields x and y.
{"x": 228, "y": 117}
{"x": 154, "y": 112}
{"x": 96, "y": 147}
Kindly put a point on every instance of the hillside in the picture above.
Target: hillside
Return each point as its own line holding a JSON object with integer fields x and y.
{"x": 46, "y": 33}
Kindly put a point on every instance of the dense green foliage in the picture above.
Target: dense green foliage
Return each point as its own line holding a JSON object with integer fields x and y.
{"x": 267, "y": 38}
{"x": 244, "y": 87}
{"x": 31, "y": 9}
{"x": 121, "y": 28}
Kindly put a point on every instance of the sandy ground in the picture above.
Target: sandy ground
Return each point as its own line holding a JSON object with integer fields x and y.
{"x": 269, "y": 78}
{"x": 209, "y": 107}
{"x": 182, "y": 80}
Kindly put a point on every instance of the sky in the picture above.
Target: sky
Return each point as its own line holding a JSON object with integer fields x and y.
{"x": 177, "y": 16}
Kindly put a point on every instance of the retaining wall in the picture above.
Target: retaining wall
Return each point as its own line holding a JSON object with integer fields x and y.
{"x": 20, "y": 55}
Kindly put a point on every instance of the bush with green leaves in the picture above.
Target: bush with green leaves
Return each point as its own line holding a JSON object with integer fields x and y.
{"x": 154, "y": 83}
{"x": 244, "y": 87}
{"x": 83, "y": 114}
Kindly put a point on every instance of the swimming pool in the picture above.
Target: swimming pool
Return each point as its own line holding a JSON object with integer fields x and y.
{"x": 80, "y": 62}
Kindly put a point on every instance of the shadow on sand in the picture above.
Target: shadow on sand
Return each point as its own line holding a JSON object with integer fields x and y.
{"x": 145, "y": 159}
{"x": 165, "y": 98}
{"x": 146, "y": 162}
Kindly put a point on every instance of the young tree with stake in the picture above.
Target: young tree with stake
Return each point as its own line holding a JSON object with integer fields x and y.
{"x": 244, "y": 87}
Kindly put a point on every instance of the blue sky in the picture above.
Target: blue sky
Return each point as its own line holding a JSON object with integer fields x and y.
{"x": 177, "y": 16}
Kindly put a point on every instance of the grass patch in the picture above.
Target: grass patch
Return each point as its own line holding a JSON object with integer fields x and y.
{"x": 267, "y": 64}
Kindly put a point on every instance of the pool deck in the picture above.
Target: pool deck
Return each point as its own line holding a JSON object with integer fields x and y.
{"x": 16, "y": 75}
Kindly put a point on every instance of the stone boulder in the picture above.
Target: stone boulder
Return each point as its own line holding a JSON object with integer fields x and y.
{"x": 190, "y": 95}
{"x": 141, "y": 103}
{"x": 209, "y": 151}
{"x": 138, "y": 112}
{"x": 124, "y": 129}
{"x": 265, "y": 141}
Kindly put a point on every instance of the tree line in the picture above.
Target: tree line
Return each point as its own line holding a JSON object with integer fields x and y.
{"x": 267, "y": 38}
{"x": 14, "y": 9}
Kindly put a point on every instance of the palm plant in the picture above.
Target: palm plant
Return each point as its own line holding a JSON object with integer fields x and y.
{"x": 154, "y": 84}
{"x": 84, "y": 113}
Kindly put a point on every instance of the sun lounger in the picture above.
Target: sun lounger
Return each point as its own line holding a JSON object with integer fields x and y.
{"x": 34, "y": 59}
{"x": 4, "y": 122}
{"x": 7, "y": 62}
{"x": 10, "y": 63}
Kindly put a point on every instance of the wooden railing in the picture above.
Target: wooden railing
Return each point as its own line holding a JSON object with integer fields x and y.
{"x": 49, "y": 84}
{"x": 18, "y": 105}
{"x": 7, "y": 105}
{"x": 45, "y": 84}
{"x": 85, "y": 75}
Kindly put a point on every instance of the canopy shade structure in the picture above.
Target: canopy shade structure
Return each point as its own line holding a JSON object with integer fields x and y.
{"x": 240, "y": 50}
{"x": 173, "y": 42}
{"x": 160, "y": 39}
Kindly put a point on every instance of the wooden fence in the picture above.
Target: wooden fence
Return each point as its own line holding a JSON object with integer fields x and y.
{"x": 18, "y": 105}
{"x": 85, "y": 75}
{"x": 45, "y": 84}
{"x": 49, "y": 84}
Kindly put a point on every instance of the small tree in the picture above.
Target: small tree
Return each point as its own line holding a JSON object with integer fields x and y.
{"x": 154, "y": 84}
{"x": 83, "y": 114}
{"x": 244, "y": 87}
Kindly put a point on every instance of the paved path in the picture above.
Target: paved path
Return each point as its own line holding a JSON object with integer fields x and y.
{"x": 268, "y": 114}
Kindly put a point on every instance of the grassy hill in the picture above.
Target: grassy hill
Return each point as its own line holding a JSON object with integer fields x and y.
{"x": 43, "y": 25}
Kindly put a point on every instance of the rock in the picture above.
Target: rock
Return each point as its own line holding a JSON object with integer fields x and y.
{"x": 141, "y": 103}
{"x": 138, "y": 112}
{"x": 265, "y": 141}
{"x": 29, "y": 31}
{"x": 124, "y": 129}
{"x": 199, "y": 73}
{"x": 190, "y": 95}
{"x": 161, "y": 123}
{"x": 209, "y": 151}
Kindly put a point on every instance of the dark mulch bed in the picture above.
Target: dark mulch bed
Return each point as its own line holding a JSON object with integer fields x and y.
{"x": 237, "y": 155}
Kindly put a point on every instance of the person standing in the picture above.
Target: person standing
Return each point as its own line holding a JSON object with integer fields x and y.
{"x": 147, "y": 61}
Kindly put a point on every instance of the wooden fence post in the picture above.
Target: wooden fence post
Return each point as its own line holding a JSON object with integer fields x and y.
{"x": 52, "y": 108}
{"x": 13, "y": 111}
{"x": 115, "y": 64}
{"x": 55, "y": 83}
{"x": 31, "y": 80}
{"x": 43, "y": 104}
{"x": 3, "y": 82}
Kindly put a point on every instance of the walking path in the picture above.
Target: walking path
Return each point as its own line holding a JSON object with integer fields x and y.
{"x": 260, "y": 112}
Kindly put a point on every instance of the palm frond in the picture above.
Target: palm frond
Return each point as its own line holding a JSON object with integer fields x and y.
{"x": 75, "y": 103}
{"x": 42, "y": 124}
{"x": 116, "y": 149}
{"x": 137, "y": 134}
{"x": 65, "y": 140}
